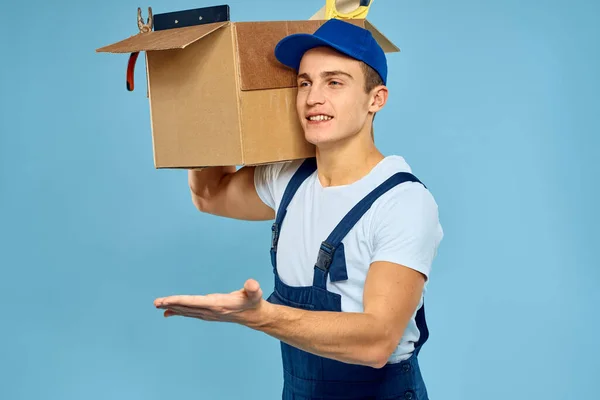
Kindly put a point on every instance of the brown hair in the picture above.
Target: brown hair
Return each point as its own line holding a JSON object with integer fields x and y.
{"x": 372, "y": 78}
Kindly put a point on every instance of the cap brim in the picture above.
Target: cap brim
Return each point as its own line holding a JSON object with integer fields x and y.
{"x": 290, "y": 50}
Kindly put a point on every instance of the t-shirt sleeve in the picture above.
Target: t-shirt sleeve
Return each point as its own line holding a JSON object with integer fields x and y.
{"x": 270, "y": 180}
{"x": 406, "y": 228}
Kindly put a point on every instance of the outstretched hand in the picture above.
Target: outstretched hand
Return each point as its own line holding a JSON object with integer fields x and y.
{"x": 238, "y": 306}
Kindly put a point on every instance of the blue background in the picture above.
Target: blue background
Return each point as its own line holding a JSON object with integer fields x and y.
{"x": 494, "y": 104}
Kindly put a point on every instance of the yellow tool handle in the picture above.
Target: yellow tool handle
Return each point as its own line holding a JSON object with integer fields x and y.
{"x": 360, "y": 12}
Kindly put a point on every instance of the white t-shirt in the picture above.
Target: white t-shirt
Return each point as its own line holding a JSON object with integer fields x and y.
{"x": 402, "y": 226}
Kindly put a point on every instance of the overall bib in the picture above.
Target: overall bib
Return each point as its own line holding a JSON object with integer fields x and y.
{"x": 308, "y": 376}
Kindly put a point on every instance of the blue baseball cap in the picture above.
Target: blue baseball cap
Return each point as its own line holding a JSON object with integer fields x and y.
{"x": 347, "y": 38}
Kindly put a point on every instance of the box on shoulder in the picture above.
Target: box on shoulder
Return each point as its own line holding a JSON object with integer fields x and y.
{"x": 217, "y": 94}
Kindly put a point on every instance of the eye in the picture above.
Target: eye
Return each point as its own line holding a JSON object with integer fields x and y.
{"x": 335, "y": 83}
{"x": 303, "y": 84}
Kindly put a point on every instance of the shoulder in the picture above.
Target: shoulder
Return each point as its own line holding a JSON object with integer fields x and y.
{"x": 273, "y": 172}
{"x": 408, "y": 196}
{"x": 404, "y": 226}
{"x": 271, "y": 179}
{"x": 408, "y": 203}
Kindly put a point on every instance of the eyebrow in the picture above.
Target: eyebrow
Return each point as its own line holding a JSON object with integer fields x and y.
{"x": 326, "y": 74}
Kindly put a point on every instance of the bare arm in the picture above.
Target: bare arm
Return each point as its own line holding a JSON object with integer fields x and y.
{"x": 391, "y": 296}
{"x": 228, "y": 193}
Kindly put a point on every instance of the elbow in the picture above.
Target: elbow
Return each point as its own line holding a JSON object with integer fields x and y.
{"x": 205, "y": 192}
{"x": 380, "y": 358}
{"x": 384, "y": 344}
{"x": 201, "y": 203}
{"x": 381, "y": 352}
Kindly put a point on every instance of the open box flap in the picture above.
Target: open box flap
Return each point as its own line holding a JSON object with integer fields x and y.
{"x": 319, "y": 14}
{"x": 385, "y": 43}
{"x": 167, "y": 39}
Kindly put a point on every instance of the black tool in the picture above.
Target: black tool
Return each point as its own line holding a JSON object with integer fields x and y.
{"x": 193, "y": 17}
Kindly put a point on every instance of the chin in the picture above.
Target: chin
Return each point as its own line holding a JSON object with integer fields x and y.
{"x": 319, "y": 136}
{"x": 318, "y": 139}
{"x": 325, "y": 139}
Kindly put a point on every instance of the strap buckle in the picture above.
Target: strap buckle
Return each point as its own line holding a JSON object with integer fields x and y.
{"x": 274, "y": 235}
{"x": 325, "y": 256}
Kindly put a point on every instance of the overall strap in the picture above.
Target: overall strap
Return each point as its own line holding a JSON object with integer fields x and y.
{"x": 421, "y": 322}
{"x": 306, "y": 169}
{"x": 331, "y": 258}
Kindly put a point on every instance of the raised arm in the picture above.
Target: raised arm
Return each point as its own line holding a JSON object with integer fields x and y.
{"x": 225, "y": 192}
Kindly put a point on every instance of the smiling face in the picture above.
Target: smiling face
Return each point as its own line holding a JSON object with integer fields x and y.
{"x": 332, "y": 103}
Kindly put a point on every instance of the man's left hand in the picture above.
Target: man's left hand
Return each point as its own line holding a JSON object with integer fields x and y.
{"x": 240, "y": 306}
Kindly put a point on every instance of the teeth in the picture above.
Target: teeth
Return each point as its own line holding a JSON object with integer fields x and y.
{"x": 320, "y": 118}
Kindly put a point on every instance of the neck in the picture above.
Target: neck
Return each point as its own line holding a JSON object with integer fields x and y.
{"x": 348, "y": 161}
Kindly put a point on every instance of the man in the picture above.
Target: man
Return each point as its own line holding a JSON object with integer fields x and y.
{"x": 354, "y": 236}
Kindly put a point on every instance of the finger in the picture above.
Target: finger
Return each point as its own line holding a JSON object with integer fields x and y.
{"x": 171, "y": 300}
{"x": 253, "y": 290}
{"x": 187, "y": 310}
{"x": 192, "y": 312}
{"x": 184, "y": 300}
{"x": 171, "y": 313}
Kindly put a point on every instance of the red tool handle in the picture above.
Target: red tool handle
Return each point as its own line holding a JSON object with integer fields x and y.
{"x": 131, "y": 69}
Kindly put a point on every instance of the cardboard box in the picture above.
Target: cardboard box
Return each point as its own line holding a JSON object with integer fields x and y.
{"x": 217, "y": 94}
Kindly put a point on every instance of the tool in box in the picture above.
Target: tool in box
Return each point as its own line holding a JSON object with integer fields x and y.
{"x": 361, "y": 11}
{"x": 174, "y": 20}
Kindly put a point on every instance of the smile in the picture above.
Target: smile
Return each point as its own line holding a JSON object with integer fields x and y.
{"x": 320, "y": 117}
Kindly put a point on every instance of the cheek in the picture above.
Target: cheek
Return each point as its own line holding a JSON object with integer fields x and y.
{"x": 353, "y": 109}
{"x": 300, "y": 101}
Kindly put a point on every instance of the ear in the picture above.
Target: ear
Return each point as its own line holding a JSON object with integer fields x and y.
{"x": 379, "y": 98}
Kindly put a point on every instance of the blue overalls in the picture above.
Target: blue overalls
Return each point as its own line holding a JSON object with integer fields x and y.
{"x": 308, "y": 376}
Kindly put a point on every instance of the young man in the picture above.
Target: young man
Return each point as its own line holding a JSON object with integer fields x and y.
{"x": 354, "y": 236}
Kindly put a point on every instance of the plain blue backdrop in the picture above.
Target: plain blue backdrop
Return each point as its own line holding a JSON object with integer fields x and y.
{"x": 494, "y": 104}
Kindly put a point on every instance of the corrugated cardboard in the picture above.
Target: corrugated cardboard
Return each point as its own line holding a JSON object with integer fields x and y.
{"x": 218, "y": 96}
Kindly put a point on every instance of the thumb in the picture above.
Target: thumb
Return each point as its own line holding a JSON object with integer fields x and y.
{"x": 253, "y": 290}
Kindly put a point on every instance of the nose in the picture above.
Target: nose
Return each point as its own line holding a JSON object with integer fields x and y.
{"x": 315, "y": 96}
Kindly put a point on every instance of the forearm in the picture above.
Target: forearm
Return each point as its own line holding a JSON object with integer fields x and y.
{"x": 354, "y": 338}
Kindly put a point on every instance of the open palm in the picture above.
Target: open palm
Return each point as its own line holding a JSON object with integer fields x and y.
{"x": 225, "y": 307}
